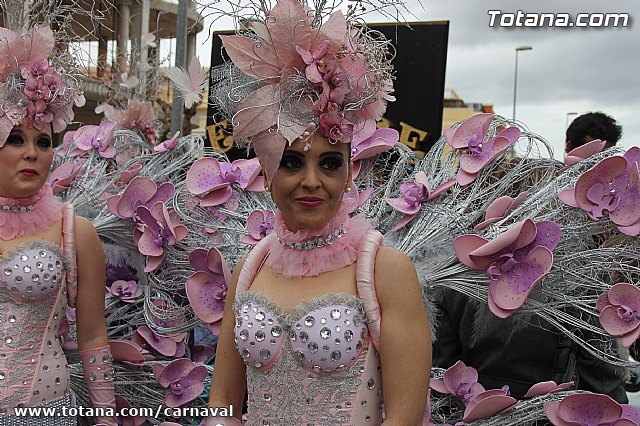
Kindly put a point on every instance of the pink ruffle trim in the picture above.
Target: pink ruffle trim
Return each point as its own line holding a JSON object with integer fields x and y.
{"x": 305, "y": 263}
{"x": 47, "y": 209}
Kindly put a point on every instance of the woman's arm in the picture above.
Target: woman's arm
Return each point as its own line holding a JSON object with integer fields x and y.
{"x": 405, "y": 341}
{"x": 229, "y": 375}
{"x": 92, "y": 332}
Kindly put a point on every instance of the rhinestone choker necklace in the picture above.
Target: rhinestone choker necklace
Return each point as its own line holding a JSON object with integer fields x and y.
{"x": 316, "y": 242}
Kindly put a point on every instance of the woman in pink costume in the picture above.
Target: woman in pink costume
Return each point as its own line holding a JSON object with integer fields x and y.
{"x": 49, "y": 258}
{"x": 322, "y": 322}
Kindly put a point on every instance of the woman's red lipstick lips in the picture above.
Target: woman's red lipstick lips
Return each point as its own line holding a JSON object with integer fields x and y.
{"x": 310, "y": 201}
{"x": 29, "y": 172}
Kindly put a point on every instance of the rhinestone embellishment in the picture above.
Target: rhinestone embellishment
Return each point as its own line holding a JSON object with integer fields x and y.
{"x": 317, "y": 242}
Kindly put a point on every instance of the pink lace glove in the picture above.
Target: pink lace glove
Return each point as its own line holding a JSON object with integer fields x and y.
{"x": 98, "y": 375}
{"x": 220, "y": 421}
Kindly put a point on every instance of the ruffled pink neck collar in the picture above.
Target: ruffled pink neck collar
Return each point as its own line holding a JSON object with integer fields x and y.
{"x": 26, "y": 216}
{"x": 306, "y": 252}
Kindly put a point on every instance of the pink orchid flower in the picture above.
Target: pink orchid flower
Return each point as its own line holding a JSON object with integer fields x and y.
{"x": 127, "y": 351}
{"x": 590, "y": 409}
{"x": 612, "y": 185}
{"x": 207, "y": 287}
{"x": 413, "y": 195}
{"x": 168, "y": 144}
{"x": 171, "y": 346}
{"x": 620, "y": 312}
{"x": 368, "y": 142}
{"x": 314, "y": 60}
{"x": 259, "y": 224}
{"x": 515, "y": 261}
{"x": 127, "y": 175}
{"x": 158, "y": 227}
{"x": 91, "y": 137}
{"x": 63, "y": 175}
{"x": 499, "y": 208}
{"x": 141, "y": 191}
{"x": 334, "y": 125}
{"x": 488, "y": 403}
{"x": 546, "y": 388}
{"x": 582, "y": 152}
{"x": 212, "y": 180}
{"x": 470, "y": 136}
{"x": 183, "y": 378}
{"x": 122, "y": 405}
{"x": 127, "y": 291}
{"x": 460, "y": 381}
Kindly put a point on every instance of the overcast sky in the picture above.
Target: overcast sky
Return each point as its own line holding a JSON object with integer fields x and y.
{"x": 569, "y": 69}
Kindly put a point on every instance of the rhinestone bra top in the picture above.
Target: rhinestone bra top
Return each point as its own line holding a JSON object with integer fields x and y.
{"x": 326, "y": 334}
{"x": 33, "y": 367}
{"x": 31, "y": 271}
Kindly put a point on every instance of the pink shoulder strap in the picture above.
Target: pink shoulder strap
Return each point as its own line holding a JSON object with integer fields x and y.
{"x": 252, "y": 263}
{"x": 69, "y": 247}
{"x": 371, "y": 241}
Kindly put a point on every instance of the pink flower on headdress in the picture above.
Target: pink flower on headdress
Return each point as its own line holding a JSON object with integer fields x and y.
{"x": 590, "y": 409}
{"x": 207, "y": 287}
{"x": 314, "y": 60}
{"x": 91, "y": 137}
{"x": 413, "y": 195}
{"x": 141, "y": 191}
{"x": 620, "y": 312}
{"x": 612, "y": 185}
{"x": 469, "y": 135}
{"x": 127, "y": 291}
{"x": 212, "y": 180}
{"x": 259, "y": 224}
{"x": 38, "y": 114}
{"x": 499, "y": 208}
{"x": 334, "y": 126}
{"x": 158, "y": 227}
{"x": 515, "y": 261}
{"x": 582, "y": 152}
{"x": 183, "y": 378}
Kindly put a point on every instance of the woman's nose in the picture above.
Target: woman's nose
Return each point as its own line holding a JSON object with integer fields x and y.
{"x": 30, "y": 153}
{"x": 311, "y": 179}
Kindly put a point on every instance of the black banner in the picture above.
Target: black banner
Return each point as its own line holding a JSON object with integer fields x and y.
{"x": 420, "y": 62}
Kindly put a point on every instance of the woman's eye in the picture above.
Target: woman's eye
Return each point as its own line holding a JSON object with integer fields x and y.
{"x": 290, "y": 163}
{"x": 331, "y": 163}
{"x": 15, "y": 139}
{"x": 44, "y": 142}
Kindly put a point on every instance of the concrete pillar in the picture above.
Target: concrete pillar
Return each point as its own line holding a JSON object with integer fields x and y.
{"x": 124, "y": 7}
{"x": 145, "y": 15}
{"x": 191, "y": 46}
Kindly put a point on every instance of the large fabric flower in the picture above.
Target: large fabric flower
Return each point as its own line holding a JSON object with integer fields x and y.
{"x": 515, "y": 261}
{"x": 488, "y": 403}
{"x": 584, "y": 151}
{"x": 612, "y": 185}
{"x": 172, "y": 346}
{"x": 92, "y": 137}
{"x": 370, "y": 141}
{"x": 127, "y": 291}
{"x": 141, "y": 191}
{"x": 499, "y": 208}
{"x": 63, "y": 175}
{"x": 158, "y": 227}
{"x": 183, "y": 378}
{"x": 470, "y": 136}
{"x": 590, "y": 409}
{"x": 207, "y": 287}
{"x": 259, "y": 224}
{"x": 620, "y": 312}
{"x": 460, "y": 381}
{"x": 212, "y": 180}
{"x": 413, "y": 195}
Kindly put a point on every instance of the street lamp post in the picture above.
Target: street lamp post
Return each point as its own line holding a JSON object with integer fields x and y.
{"x": 515, "y": 78}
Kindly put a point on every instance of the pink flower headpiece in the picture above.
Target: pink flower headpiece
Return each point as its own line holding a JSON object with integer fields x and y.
{"x": 328, "y": 76}
{"x": 31, "y": 87}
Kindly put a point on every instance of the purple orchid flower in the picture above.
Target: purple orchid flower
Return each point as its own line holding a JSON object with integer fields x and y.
{"x": 141, "y": 191}
{"x": 546, "y": 388}
{"x": 259, "y": 224}
{"x": 488, "y": 403}
{"x": 212, "y": 180}
{"x": 620, "y": 312}
{"x": 91, "y": 137}
{"x": 314, "y": 60}
{"x": 413, "y": 195}
{"x": 127, "y": 291}
{"x": 470, "y": 135}
{"x": 460, "y": 381}
{"x": 612, "y": 185}
{"x": 207, "y": 287}
{"x": 122, "y": 405}
{"x": 582, "y": 152}
{"x": 334, "y": 125}
{"x": 499, "y": 208}
{"x": 160, "y": 227}
{"x": 515, "y": 261}
{"x": 171, "y": 346}
{"x": 168, "y": 144}
{"x": 183, "y": 378}
{"x": 63, "y": 175}
{"x": 590, "y": 409}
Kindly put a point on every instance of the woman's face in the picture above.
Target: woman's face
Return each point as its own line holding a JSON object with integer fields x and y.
{"x": 308, "y": 186}
{"x": 25, "y": 160}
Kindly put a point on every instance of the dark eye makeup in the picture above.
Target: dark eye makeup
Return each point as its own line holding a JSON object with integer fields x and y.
{"x": 42, "y": 141}
{"x": 293, "y": 160}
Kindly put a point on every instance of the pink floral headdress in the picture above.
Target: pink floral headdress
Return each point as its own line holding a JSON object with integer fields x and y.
{"x": 302, "y": 71}
{"x": 32, "y": 86}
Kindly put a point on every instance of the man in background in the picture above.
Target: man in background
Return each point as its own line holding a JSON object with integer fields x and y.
{"x": 590, "y": 126}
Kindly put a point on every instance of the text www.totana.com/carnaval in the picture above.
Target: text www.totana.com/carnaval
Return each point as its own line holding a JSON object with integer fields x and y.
{"x": 124, "y": 412}
{"x": 557, "y": 20}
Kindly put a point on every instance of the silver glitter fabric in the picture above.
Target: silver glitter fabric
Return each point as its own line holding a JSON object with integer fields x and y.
{"x": 67, "y": 400}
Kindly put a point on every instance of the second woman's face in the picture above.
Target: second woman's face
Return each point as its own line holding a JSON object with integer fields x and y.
{"x": 308, "y": 186}
{"x": 25, "y": 160}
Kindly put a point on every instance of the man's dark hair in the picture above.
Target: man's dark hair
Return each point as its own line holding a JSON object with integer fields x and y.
{"x": 593, "y": 125}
